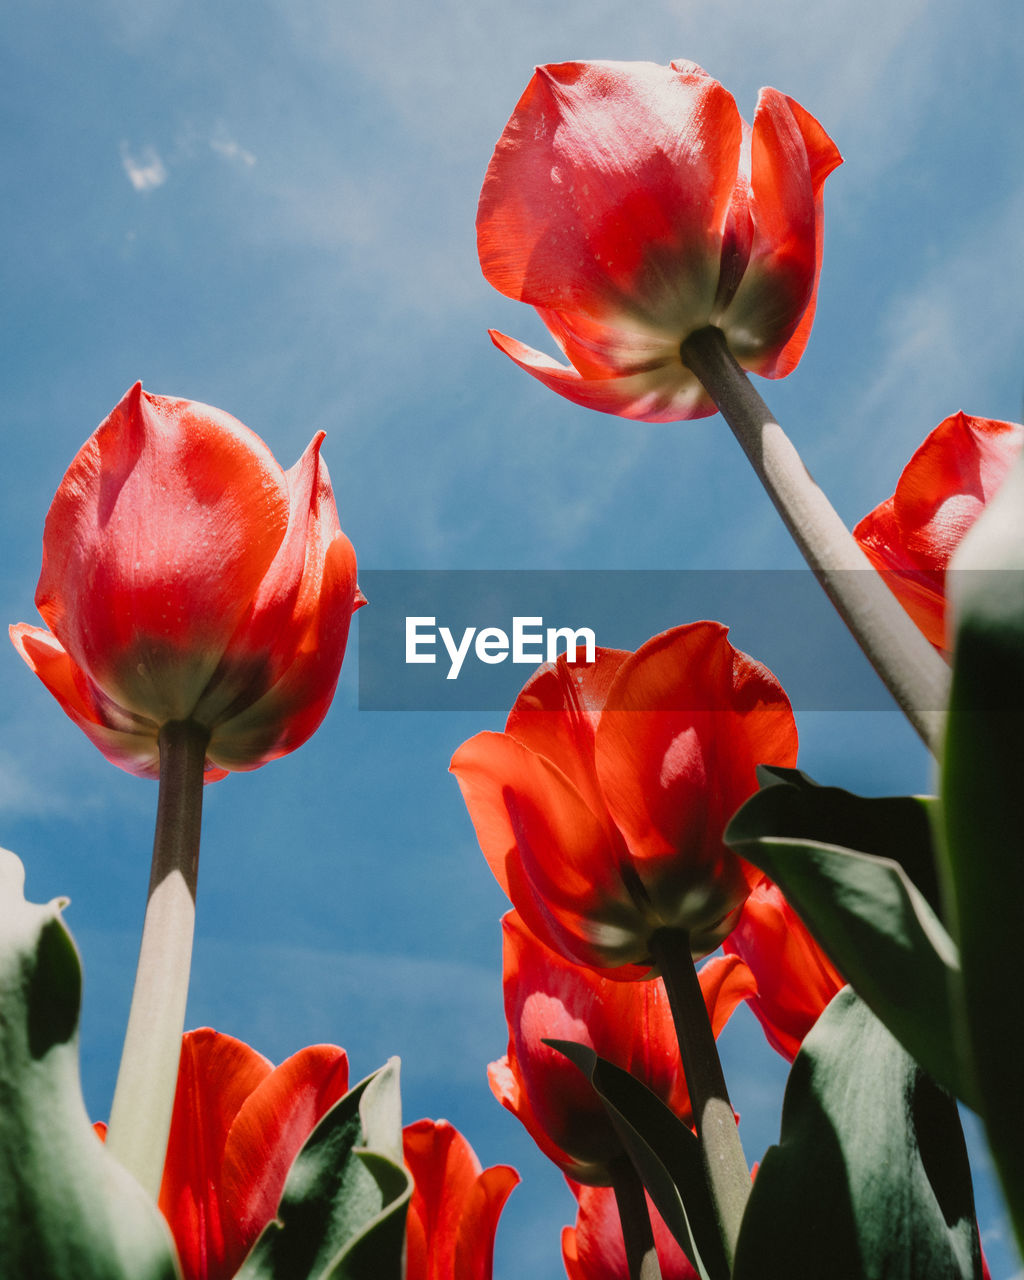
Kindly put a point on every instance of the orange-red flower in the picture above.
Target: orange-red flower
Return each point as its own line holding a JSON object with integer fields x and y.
{"x": 629, "y": 1024}
{"x": 454, "y": 1210}
{"x": 593, "y": 1249}
{"x": 187, "y": 577}
{"x": 795, "y": 978}
{"x": 944, "y": 487}
{"x": 238, "y": 1124}
{"x": 631, "y": 205}
{"x": 601, "y": 807}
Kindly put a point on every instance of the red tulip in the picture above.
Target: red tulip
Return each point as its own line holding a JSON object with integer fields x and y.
{"x": 187, "y": 577}
{"x": 631, "y": 205}
{"x": 594, "y": 1250}
{"x": 454, "y": 1211}
{"x": 629, "y": 1024}
{"x": 795, "y": 978}
{"x": 601, "y": 807}
{"x": 238, "y": 1124}
{"x": 944, "y": 487}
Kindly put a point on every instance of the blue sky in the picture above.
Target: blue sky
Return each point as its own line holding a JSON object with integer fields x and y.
{"x": 269, "y": 207}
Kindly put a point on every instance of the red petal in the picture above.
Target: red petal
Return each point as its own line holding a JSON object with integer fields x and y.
{"x": 769, "y": 320}
{"x": 454, "y": 1211}
{"x": 725, "y": 981}
{"x": 594, "y": 1248}
{"x": 267, "y": 1134}
{"x": 663, "y": 396}
{"x": 126, "y": 740}
{"x": 216, "y": 1073}
{"x": 608, "y": 192}
{"x": 911, "y": 537}
{"x": 549, "y": 852}
{"x": 556, "y": 716}
{"x": 155, "y": 545}
{"x": 689, "y": 717}
{"x": 304, "y": 661}
{"x": 795, "y": 980}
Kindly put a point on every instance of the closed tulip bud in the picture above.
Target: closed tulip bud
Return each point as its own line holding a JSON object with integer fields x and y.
{"x": 187, "y": 577}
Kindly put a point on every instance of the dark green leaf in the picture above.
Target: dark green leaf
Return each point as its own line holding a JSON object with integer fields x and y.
{"x": 898, "y": 827}
{"x": 983, "y": 804}
{"x": 865, "y": 910}
{"x": 67, "y": 1208}
{"x": 664, "y": 1151}
{"x": 870, "y": 1178}
{"x": 342, "y": 1212}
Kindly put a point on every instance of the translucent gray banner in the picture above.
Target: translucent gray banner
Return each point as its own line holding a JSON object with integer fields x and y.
{"x": 467, "y": 640}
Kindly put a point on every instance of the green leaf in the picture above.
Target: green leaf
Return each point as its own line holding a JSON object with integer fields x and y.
{"x": 896, "y": 827}
{"x": 870, "y": 1177}
{"x": 983, "y": 809}
{"x": 665, "y": 1153}
{"x": 342, "y": 1212}
{"x": 67, "y": 1208}
{"x": 865, "y": 910}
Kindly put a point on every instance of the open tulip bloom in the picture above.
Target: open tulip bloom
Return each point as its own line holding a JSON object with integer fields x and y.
{"x": 601, "y": 807}
{"x": 631, "y": 205}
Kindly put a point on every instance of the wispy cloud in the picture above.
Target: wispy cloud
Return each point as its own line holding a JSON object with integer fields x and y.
{"x": 224, "y": 145}
{"x": 145, "y": 170}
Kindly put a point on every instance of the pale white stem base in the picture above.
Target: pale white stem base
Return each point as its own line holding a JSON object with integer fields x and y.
{"x": 140, "y": 1118}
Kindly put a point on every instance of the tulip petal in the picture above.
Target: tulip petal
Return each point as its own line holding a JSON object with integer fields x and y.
{"x": 770, "y": 317}
{"x": 267, "y": 1134}
{"x": 454, "y": 1211}
{"x": 725, "y": 982}
{"x": 304, "y": 661}
{"x": 945, "y": 486}
{"x": 455, "y": 1207}
{"x": 689, "y": 717}
{"x": 665, "y": 394}
{"x": 216, "y": 1074}
{"x": 795, "y": 980}
{"x": 127, "y": 740}
{"x": 594, "y": 1250}
{"x": 608, "y": 191}
{"x": 553, "y": 857}
{"x": 182, "y": 572}
{"x": 556, "y": 715}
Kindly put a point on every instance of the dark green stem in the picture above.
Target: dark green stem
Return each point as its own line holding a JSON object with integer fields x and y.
{"x": 908, "y": 665}
{"x": 641, "y": 1254}
{"x": 725, "y": 1167}
{"x": 140, "y": 1117}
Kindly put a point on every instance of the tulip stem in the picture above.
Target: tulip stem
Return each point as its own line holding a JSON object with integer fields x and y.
{"x": 641, "y": 1255}
{"x": 140, "y": 1116}
{"x": 725, "y": 1166}
{"x": 908, "y": 665}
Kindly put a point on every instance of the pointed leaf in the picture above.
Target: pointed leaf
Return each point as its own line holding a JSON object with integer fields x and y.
{"x": 873, "y": 921}
{"x": 983, "y": 803}
{"x": 870, "y": 1177}
{"x": 342, "y": 1213}
{"x": 67, "y": 1208}
{"x": 665, "y": 1153}
{"x": 896, "y": 827}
